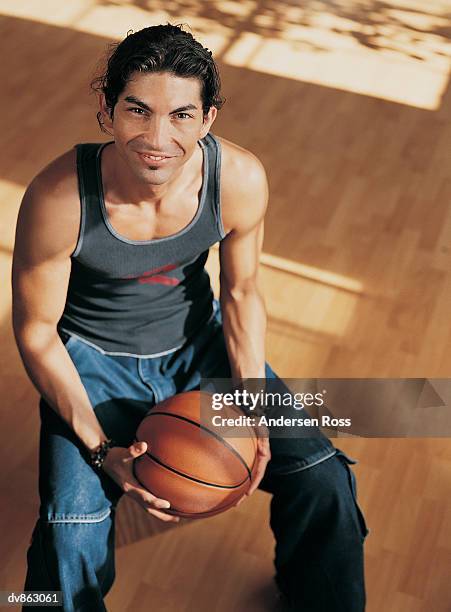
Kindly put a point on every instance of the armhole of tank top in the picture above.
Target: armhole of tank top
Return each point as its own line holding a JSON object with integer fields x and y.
{"x": 217, "y": 203}
{"x": 81, "y": 192}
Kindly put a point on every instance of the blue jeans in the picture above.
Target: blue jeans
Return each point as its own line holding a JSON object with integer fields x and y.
{"x": 318, "y": 526}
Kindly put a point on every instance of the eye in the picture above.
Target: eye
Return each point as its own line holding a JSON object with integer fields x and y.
{"x": 136, "y": 111}
{"x": 183, "y": 116}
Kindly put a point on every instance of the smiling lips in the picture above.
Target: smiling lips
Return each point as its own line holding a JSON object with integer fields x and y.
{"x": 147, "y": 157}
{"x": 157, "y": 157}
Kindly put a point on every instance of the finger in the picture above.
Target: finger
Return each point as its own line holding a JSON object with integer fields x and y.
{"x": 152, "y": 508}
{"x": 146, "y": 497}
{"x": 264, "y": 440}
{"x": 240, "y": 501}
{"x": 136, "y": 450}
{"x": 264, "y": 448}
{"x": 167, "y": 518}
{"x": 150, "y": 501}
{"x": 262, "y": 432}
{"x": 258, "y": 475}
{"x": 254, "y": 484}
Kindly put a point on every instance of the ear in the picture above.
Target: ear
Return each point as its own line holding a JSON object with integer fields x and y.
{"x": 208, "y": 121}
{"x": 107, "y": 121}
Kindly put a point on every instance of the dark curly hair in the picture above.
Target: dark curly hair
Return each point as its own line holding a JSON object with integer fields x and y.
{"x": 161, "y": 48}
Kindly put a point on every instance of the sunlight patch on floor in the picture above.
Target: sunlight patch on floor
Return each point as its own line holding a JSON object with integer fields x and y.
{"x": 396, "y": 51}
{"x": 301, "y": 300}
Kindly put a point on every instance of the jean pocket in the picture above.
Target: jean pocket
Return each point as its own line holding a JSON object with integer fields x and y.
{"x": 347, "y": 462}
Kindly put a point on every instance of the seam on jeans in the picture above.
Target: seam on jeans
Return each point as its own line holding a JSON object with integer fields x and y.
{"x": 306, "y": 467}
{"x": 145, "y": 382}
{"x": 80, "y": 518}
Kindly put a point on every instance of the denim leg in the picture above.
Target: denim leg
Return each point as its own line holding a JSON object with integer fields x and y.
{"x": 72, "y": 547}
{"x": 76, "y": 558}
{"x": 320, "y": 532}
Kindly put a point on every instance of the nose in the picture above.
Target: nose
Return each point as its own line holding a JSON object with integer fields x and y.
{"x": 157, "y": 134}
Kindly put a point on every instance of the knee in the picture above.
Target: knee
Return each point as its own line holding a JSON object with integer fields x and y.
{"x": 310, "y": 493}
{"x": 83, "y": 498}
{"x": 323, "y": 496}
{"x": 76, "y": 531}
{"x": 65, "y": 547}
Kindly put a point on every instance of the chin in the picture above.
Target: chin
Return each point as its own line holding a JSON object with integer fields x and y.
{"x": 155, "y": 177}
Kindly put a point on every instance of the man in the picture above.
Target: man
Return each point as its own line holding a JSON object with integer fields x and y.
{"x": 113, "y": 312}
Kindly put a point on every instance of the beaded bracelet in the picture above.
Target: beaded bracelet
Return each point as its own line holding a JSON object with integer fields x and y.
{"x": 98, "y": 455}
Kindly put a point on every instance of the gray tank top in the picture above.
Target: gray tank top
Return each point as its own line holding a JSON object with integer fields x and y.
{"x": 140, "y": 297}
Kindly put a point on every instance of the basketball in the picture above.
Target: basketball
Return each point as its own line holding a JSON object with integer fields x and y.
{"x": 202, "y": 470}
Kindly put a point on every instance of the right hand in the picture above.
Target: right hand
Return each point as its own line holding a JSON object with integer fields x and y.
{"x": 118, "y": 465}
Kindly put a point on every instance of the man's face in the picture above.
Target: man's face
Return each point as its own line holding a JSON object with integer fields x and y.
{"x": 157, "y": 122}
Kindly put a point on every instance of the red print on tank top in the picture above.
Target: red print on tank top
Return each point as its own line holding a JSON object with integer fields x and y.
{"x": 151, "y": 277}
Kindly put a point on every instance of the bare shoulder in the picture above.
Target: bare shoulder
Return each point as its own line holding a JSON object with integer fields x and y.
{"x": 244, "y": 187}
{"x": 49, "y": 216}
{"x": 59, "y": 177}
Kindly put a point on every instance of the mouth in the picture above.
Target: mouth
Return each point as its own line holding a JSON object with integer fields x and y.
{"x": 153, "y": 160}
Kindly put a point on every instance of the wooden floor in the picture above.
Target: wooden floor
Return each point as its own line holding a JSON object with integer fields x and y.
{"x": 349, "y": 108}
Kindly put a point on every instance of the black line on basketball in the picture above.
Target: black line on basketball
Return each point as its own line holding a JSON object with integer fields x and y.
{"x": 214, "y": 434}
{"x": 188, "y": 477}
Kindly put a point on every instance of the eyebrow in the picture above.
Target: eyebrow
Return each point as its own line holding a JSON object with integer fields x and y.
{"x": 144, "y": 106}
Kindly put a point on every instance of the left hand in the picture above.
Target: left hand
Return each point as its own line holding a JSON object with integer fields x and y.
{"x": 261, "y": 461}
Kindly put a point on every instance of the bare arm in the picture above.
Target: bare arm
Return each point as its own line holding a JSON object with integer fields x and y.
{"x": 46, "y": 235}
{"x": 242, "y": 304}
